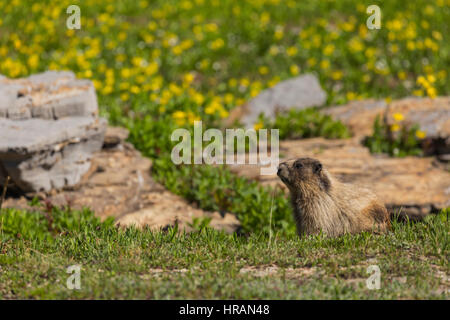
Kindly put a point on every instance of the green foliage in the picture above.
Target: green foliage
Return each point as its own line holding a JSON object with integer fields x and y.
{"x": 217, "y": 189}
{"x": 397, "y": 140}
{"x": 22, "y": 224}
{"x": 44, "y": 225}
{"x": 307, "y": 123}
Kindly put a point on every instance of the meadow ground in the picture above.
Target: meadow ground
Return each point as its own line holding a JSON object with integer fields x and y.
{"x": 36, "y": 250}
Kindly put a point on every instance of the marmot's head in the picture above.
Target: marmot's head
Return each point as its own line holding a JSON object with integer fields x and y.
{"x": 304, "y": 174}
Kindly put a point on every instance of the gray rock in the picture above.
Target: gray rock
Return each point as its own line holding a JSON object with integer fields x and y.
{"x": 50, "y": 95}
{"x": 49, "y": 130}
{"x": 40, "y": 155}
{"x": 298, "y": 93}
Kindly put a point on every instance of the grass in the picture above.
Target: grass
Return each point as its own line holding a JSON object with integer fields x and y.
{"x": 36, "y": 249}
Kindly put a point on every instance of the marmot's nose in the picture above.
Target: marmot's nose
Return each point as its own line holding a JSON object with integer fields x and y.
{"x": 279, "y": 169}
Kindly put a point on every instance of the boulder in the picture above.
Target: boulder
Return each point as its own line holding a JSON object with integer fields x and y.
{"x": 49, "y": 128}
{"x": 299, "y": 93}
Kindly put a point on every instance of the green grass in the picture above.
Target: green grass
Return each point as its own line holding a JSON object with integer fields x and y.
{"x": 36, "y": 249}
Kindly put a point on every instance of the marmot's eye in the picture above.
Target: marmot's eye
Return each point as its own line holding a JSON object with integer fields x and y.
{"x": 317, "y": 167}
{"x": 298, "y": 165}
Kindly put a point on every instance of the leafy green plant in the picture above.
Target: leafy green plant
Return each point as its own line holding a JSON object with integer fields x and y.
{"x": 46, "y": 224}
{"x": 307, "y": 123}
{"x": 397, "y": 139}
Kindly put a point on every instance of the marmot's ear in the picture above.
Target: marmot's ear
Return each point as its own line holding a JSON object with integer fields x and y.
{"x": 317, "y": 167}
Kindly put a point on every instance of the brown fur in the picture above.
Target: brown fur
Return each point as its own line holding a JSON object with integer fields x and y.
{"x": 322, "y": 203}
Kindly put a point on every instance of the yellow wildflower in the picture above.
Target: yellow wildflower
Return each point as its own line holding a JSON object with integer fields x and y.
{"x": 223, "y": 113}
{"x": 432, "y": 93}
{"x": 431, "y": 78}
{"x": 179, "y": 117}
{"x": 135, "y": 89}
{"x": 244, "y": 82}
{"x": 279, "y": 33}
{"x": 401, "y": 75}
{"x": 291, "y": 51}
{"x": 336, "y": 75}
{"x": 217, "y": 44}
{"x": 198, "y": 98}
{"x": 254, "y": 92}
{"x": 395, "y": 127}
{"x": 311, "y": 62}
{"x": 328, "y": 50}
{"x": 421, "y": 134}
{"x": 398, "y": 116}
{"x": 351, "y": 96}
{"x": 257, "y": 126}
{"x": 188, "y": 78}
{"x": 325, "y": 64}
{"x": 294, "y": 69}
{"x": 421, "y": 80}
{"x": 263, "y": 70}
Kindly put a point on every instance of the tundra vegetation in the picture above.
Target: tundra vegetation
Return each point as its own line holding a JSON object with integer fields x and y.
{"x": 161, "y": 65}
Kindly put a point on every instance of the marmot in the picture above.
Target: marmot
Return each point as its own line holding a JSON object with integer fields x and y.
{"x": 322, "y": 203}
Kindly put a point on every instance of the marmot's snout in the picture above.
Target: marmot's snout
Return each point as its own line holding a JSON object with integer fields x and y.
{"x": 283, "y": 172}
{"x": 293, "y": 171}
